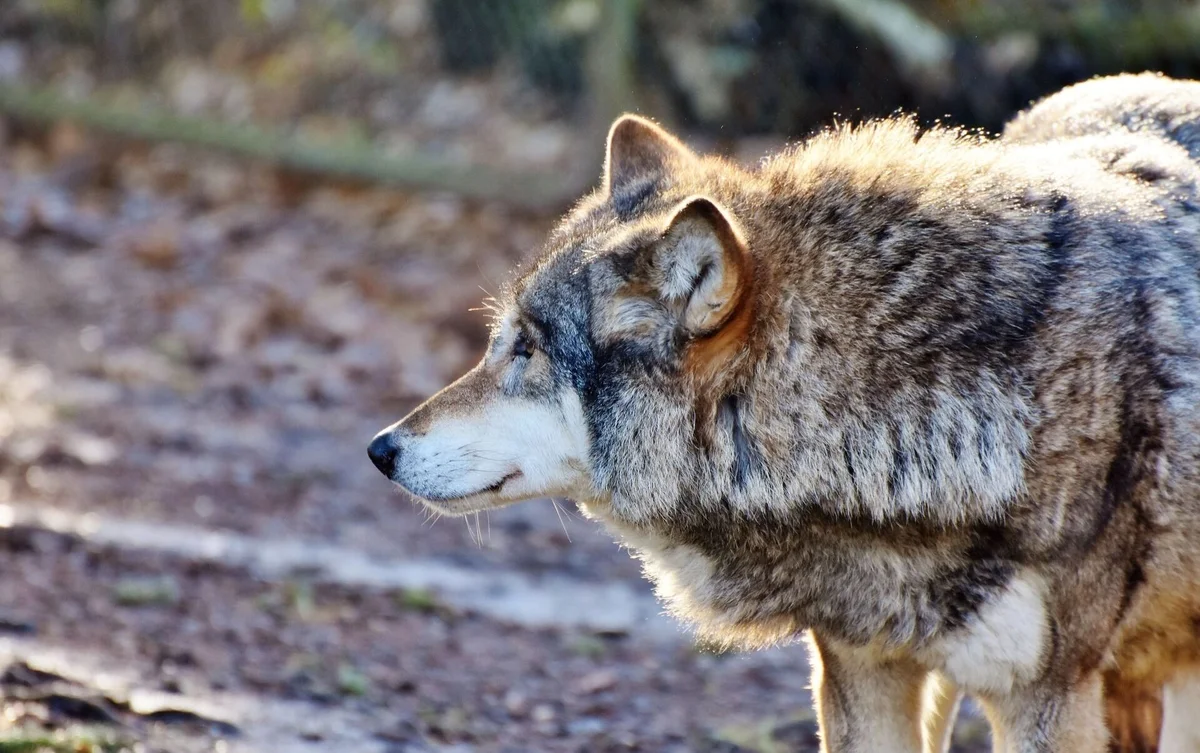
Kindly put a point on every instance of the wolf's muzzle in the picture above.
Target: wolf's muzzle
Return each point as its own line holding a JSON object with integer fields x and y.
{"x": 383, "y": 451}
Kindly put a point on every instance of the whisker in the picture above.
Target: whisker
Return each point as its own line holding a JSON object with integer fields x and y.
{"x": 562, "y": 522}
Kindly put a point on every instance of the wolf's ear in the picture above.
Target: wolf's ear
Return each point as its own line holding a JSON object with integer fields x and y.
{"x": 704, "y": 266}
{"x": 639, "y": 153}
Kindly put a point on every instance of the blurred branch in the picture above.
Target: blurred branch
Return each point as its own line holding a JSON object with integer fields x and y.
{"x": 534, "y": 190}
{"x": 917, "y": 45}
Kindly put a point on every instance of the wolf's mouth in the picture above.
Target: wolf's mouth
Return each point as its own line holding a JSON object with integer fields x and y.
{"x": 496, "y": 487}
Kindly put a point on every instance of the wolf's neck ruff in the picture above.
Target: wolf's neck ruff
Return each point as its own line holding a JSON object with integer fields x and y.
{"x": 960, "y": 460}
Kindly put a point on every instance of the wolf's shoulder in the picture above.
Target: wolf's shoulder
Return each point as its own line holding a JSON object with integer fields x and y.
{"x": 1144, "y": 104}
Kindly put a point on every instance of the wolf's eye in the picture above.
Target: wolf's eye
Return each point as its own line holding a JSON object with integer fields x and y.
{"x": 522, "y": 348}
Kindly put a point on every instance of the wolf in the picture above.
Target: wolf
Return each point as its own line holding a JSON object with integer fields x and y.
{"x": 929, "y": 399}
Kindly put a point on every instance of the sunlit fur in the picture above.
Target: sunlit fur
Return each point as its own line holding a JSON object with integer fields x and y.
{"x": 932, "y": 398}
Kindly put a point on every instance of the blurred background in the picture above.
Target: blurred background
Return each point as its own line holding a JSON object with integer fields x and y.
{"x": 238, "y": 238}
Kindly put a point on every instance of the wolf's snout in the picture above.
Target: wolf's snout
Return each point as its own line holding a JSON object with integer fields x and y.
{"x": 383, "y": 451}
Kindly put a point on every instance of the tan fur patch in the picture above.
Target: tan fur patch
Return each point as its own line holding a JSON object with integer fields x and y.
{"x": 1134, "y": 715}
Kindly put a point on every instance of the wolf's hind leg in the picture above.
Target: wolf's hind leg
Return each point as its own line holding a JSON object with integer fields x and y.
{"x": 939, "y": 711}
{"x": 866, "y": 705}
{"x": 1181, "y": 713}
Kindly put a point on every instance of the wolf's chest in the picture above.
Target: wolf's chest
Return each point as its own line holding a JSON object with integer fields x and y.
{"x": 754, "y": 589}
{"x": 757, "y": 584}
{"x": 982, "y": 623}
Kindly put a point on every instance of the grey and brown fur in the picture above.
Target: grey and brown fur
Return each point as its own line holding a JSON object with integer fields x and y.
{"x": 930, "y": 398}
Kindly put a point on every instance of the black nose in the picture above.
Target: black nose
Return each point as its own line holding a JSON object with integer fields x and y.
{"x": 382, "y": 452}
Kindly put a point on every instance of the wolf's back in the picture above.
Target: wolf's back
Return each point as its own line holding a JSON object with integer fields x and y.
{"x": 1145, "y": 104}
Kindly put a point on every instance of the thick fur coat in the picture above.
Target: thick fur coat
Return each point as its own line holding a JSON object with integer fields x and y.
{"x": 931, "y": 397}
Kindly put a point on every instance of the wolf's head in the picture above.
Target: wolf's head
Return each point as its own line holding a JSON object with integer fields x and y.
{"x": 603, "y": 353}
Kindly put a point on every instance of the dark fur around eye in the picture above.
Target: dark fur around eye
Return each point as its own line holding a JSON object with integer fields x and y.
{"x": 522, "y": 348}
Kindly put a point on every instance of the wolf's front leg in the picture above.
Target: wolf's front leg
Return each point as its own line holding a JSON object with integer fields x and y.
{"x": 1050, "y": 717}
{"x": 865, "y": 704}
{"x": 939, "y": 712}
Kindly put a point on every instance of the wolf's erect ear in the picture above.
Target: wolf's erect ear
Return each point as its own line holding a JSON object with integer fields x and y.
{"x": 639, "y": 153}
{"x": 704, "y": 265}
